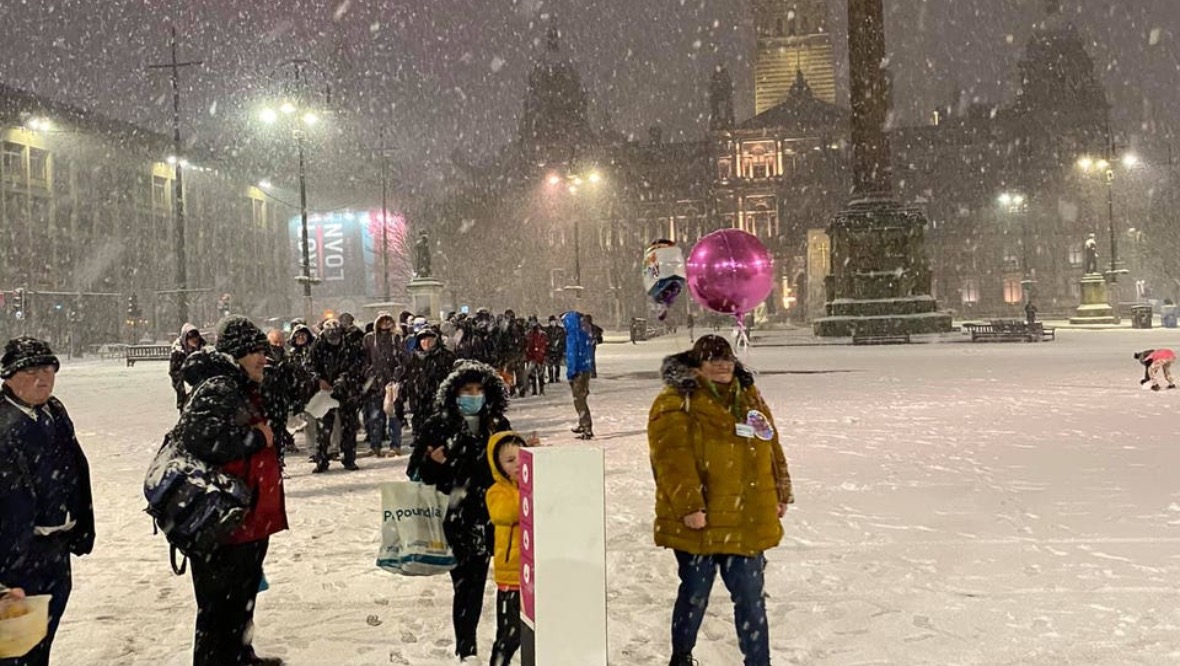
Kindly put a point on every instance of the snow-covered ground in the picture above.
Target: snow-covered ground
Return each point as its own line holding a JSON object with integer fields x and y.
{"x": 956, "y": 504}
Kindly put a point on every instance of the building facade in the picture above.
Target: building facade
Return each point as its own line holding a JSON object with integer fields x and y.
{"x": 87, "y": 219}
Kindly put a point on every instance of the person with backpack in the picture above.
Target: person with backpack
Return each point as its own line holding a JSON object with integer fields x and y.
{"x": 46, "y": 507}
{"x": 224, "y": 425}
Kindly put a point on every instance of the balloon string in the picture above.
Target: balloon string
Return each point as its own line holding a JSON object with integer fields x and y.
{"x": 743, "y": 336}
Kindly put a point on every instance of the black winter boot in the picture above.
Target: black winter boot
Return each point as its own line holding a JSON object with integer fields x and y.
{"x": 683, "y": 660}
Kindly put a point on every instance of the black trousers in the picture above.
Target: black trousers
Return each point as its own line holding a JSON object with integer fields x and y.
{"x": 507, "y": 627}
{"x": 341, "y": 417}
{"x": 468, "y": 580}
{"x": 554, "y": 372}
{"x": 47, "y": 571}
{"x": 226, "y": 584}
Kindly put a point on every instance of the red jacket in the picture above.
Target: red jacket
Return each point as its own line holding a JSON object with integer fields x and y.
{"x": 264, "y": 475}
{"x": 1161, "y": 355}
{"x": 536, "y": 346}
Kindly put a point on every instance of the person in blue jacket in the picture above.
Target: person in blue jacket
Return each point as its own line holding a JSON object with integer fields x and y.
{"x": 579, "y": 360}
{"x": 46, "y": 507}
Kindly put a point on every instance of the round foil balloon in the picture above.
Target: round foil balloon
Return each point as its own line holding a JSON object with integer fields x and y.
{"x": 730, "y": 271}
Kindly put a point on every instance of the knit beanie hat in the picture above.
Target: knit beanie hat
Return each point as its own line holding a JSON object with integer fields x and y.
{"x": 26, "y": 352}
{"x": 238, "y": 337}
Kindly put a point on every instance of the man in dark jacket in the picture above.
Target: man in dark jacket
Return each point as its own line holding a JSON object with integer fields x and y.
{"x": 423, "y": 374}
{"x": 286, "y": 388}
{"x": 225, "y": 424}
{"x": 383, "y": 354}
{"x": 299, "y": 354}
{"x": 595, "y": 340}
{"x": 338, "y": 365}
{"x": 556, "y": 353}
{"x": 510, "y": 352}
{"x": 190, "y": 340}
{"x": 46, "y": 509}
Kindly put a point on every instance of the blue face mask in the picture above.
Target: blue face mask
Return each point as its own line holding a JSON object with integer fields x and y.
{"x": 470, "y": 405}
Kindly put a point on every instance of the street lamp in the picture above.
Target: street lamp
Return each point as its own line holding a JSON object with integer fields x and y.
{"x": 1013, "y": 203}
{"x": 574, "y": 182}
{"x": 1105, "y": 166}
{"x": 303, "y": 116}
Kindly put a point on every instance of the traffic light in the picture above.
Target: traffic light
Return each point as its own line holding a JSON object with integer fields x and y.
{"x": 223, "y": 304}
{"x": 133, "y": 311}
{"x": 18, "y": 303}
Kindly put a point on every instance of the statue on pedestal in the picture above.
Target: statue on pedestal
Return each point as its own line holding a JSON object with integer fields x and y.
{"x": 1090, "y": 250}
{"x": 422, "y": 255}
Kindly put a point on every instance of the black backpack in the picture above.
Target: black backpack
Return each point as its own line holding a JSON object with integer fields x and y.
{"x": 193, "y": 504}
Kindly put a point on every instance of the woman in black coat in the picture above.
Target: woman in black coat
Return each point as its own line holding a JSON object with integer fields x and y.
{"x": 451, "y": 454}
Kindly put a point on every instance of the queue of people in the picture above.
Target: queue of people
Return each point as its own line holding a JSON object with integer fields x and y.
{"x": 709, "y": 420}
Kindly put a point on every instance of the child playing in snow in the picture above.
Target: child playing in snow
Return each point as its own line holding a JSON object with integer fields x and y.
{"x": 503, "y": 500}
{"x": 1154, "y": 362}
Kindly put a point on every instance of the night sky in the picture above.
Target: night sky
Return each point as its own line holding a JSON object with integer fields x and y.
{"x": 449, "y": 75}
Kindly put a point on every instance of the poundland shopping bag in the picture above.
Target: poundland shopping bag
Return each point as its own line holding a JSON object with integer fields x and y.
{"x": 412, "y": 539}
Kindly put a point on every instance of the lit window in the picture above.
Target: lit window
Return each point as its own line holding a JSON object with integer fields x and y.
{"x": 970, "y": 290}
{"x": 1075, "y": 255}
{"x": 1013, "y": 291}
{"x": 160, "y": 193}
{"x": 12, "y": 161}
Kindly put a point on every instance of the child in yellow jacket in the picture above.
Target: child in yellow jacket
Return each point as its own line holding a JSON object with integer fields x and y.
{"x": 503, "y": 500}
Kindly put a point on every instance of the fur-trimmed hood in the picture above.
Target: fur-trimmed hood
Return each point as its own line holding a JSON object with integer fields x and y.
{"x": 465, "y": 372}
{"x": 679, "y": 372}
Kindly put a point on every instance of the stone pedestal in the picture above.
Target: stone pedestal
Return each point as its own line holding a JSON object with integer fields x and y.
{"x": 880, "y": 281}
{"x": 1095, "y": 307}
{"x": 426, "y": 297}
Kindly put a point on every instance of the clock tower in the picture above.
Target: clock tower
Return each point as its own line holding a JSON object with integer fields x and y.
{"x": 793, "y": 37}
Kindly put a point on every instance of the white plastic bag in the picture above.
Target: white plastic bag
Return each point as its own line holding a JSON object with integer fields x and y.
{"x": 412, "y": 539}
{"x": 320, "y": 404}
{"x": 391, "y": 392}
{"x": 20, "y": 634}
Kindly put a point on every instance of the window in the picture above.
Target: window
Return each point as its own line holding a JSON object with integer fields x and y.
{"x": 259, "y": 213}
{"x": 970, "y": 290}
{"x": 759, "y": 160}
{"x": 1075, "y": 256}
{"x": 725, "y": 169}
{"x": 12, "y": 161}
{"x": 1013, "y": 291}
{"x": 160, "y": 187}
{"x": 39, "y": 166}
{"x": 1011, "y": 259}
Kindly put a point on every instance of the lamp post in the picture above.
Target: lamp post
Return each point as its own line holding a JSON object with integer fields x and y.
{"x": 300, "y": 116}
{"x": 573, "y": 183}
{"x": 1014, "y": 204}
{"x": 1106, "y": 167}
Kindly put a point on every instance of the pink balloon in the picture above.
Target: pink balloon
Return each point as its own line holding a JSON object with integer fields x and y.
{"x": 730, "y": 271}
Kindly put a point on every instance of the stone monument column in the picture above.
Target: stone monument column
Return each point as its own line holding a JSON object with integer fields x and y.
{"x": 1095, "y": 307}
{"x": 881, "y": 281}
{"x": 425, "y": 291}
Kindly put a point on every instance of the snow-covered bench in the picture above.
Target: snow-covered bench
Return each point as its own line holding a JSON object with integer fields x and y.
{"x": 1010, "y": 331}
{"x": 882, "y": 339}
{"x": 136, "y": 353}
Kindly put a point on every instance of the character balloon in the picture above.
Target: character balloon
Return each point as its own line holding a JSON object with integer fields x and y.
{"x": 730, "y": 272}
{"x": 663, "y": 274}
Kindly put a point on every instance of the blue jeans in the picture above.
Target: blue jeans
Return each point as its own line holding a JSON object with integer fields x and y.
{"x": 378, "y": 426}
{"x": 744, "y": 577}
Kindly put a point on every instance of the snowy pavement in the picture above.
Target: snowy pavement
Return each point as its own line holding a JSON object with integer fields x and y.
{"x": 956, "y": 504}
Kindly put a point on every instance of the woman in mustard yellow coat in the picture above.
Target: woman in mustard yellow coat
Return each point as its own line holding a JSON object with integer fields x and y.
{"x": 722, "y": 487}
